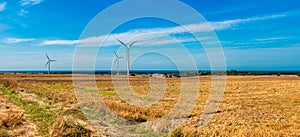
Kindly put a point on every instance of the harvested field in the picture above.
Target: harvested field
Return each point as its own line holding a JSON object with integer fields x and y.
{"x": 251, "y": 106}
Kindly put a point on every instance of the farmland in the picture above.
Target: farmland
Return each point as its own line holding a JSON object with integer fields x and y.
{"x": 251, "y": 106}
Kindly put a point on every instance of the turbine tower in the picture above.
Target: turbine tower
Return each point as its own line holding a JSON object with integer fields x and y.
{"x": 127, "y": 54}
{"x": 48, "y": 63}
{"x": 117, "y": 62}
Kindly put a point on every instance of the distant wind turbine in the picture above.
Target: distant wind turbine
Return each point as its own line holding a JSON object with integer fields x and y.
{"x": 127, "y": 54}
{"x": 117, "y": 62}
{"x": 48, "y": 63}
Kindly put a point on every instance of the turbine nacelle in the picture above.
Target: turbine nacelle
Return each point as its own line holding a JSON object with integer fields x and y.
{"x": 127, "y": 46}
{"x": 48, "y": 62}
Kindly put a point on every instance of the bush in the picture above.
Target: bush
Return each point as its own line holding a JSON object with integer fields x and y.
{"x": 298, "y": 74}
{"x": 232, "y": 72}
{"x": 168, "y": 75}
{"x": 278, "y": 74}
{"x": 204, "y": 73}
{"x": 177, "y": 75}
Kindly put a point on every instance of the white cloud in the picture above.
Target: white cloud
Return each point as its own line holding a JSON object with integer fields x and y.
{"x": 2, "y": 6}
{"x": 16, "y": 40}
{"x": 30, "y": 2}
{"x": 59, "y": 42}
{"x": 23, "y": 12}
{"x": 160, "y": 36}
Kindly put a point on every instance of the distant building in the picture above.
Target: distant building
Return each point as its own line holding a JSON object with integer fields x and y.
{"x": 157, "y": 75}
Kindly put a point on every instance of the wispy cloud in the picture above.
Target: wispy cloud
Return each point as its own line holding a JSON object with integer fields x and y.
{"x": 251, "y": 42}
{"x": 230, "y": 23}
{"x": 30, "y": 2}
{"x": 161, "y": 36}
{"x": 145, "y": 38}
{"x": 17, "y": 40}
{"x": 23, "y": 12}
{"x": 2, "y": 6}
{"x": 272, "y": 39}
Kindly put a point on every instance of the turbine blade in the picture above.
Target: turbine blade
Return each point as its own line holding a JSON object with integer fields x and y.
{"x": 47, "y": 63}
{"x": 122, "y": 43}
{"x": 132, "y": 44}
{"x": 116, "y": 54}
{"x": 47, "y": 57}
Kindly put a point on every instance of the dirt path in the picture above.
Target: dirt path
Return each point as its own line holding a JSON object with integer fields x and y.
{"x": 13, "y": 122}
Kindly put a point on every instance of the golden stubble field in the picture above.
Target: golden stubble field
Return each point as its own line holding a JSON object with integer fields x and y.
{"x": 251, "y": 106}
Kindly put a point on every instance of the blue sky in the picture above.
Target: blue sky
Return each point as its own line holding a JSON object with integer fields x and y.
{"x": 255, "y": 35}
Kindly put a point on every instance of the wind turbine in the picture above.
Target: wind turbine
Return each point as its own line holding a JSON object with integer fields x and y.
{"x": 48, "y": 63}
{"x": 127, "y": 54}
{"x": 117, "y": 61}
